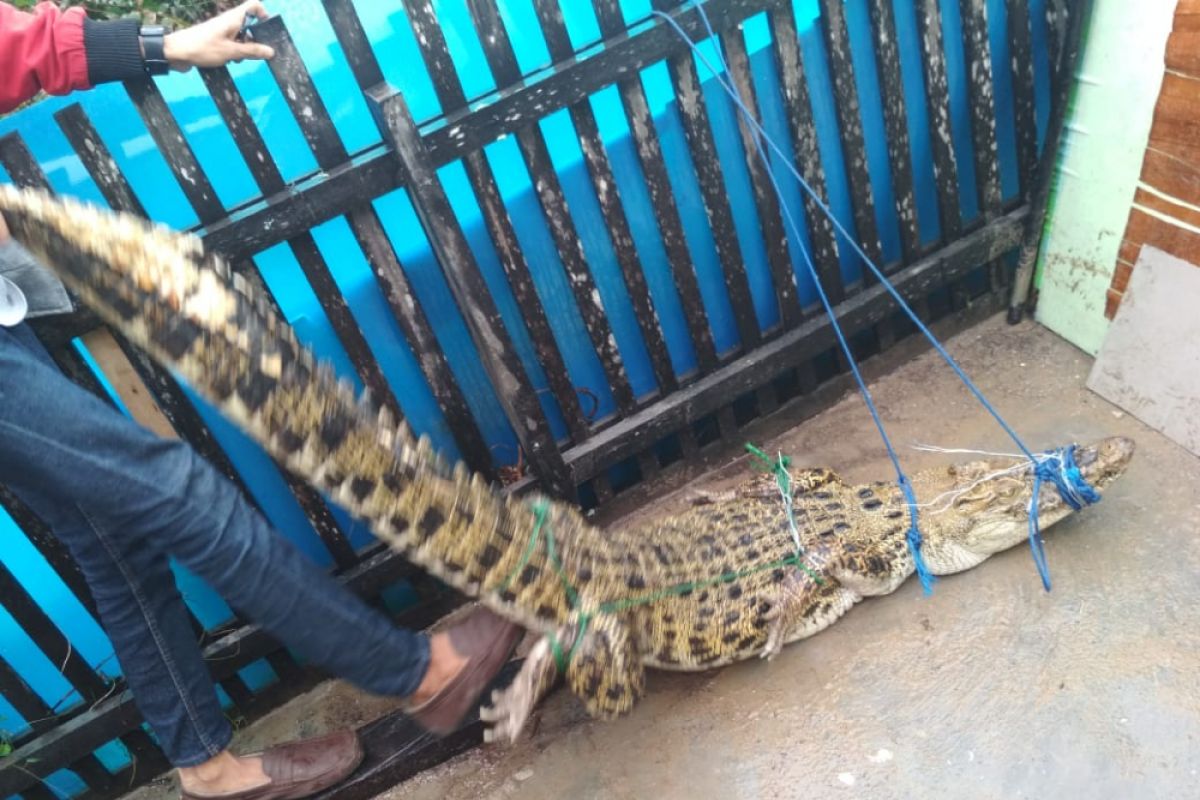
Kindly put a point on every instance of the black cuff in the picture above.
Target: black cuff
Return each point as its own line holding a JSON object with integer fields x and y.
{"x": 113, "y": 50}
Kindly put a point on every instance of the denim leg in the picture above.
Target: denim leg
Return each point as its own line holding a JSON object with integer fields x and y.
{"x": 139, "y": 492}
{"x": 139, "y": 604}
{"x": 145, "y": 618}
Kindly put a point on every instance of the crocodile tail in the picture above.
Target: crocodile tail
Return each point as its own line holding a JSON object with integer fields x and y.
{"x": 188, "y": 310}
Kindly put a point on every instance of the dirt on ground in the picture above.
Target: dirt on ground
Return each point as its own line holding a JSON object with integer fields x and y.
{"x": 990, "y": 688}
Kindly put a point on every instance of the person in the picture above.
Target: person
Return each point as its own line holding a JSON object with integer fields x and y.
{"x": 125, "y": 501}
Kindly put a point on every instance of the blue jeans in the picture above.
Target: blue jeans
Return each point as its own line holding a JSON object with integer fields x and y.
{"x": 123, "y": 500}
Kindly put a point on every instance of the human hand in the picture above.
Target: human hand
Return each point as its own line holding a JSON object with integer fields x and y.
{"x": 214, "y": 43}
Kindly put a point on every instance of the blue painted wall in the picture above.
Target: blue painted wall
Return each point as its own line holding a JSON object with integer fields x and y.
{"x": 117, "y": 121}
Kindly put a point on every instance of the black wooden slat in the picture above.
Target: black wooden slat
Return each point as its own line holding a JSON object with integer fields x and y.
{"x": 314, "y": 121}
{"x": 243, "y": 129}
{"x": 93, "y": 773}
{"x": 1020, "y": 36}
{"x": 809, "y": 340}
{"x": 854, "y": 148}
{"x": 471, "y": 129}
{"x": 891, "y": 82}
{"x": 607, "y": 192}
{"x": 147, "y": 758}
{"x": 670, "y": 228}
{"x": 98, "y": 160}
{"x": 512, "y": 259}
{"x": 983, "y": 106}
{"x": 766, "y": 201}
{"x": 1047, "y": 166}
{"x": 381, "y": 257}
{"x": 337, "y": 310}
{"x": 536, "y": 154}
{"x": 450, "y": 246}
{"x": 520, "y": 280}
{"x": 50, "y": 547}
{"x": 353, "y": 38}
{"x": 301, "y": 94}
{"x": 20, "y": 163}
{"x": 375, "y": 172}
{"x": 798, "y": 104}
{"x": 30, "y": 616}
{"x": 180, "y": 157}
{"x": 415, "y": 326}
{"x": 667, "y": 217}
{"x": 1057, "y": 21}
{"x": 789, "y": 61}
{"x": 937, "y": 96}
{"x": 40, "y": 792}
{"x": 549, "y": 191}
{"x": 23, "y": 699}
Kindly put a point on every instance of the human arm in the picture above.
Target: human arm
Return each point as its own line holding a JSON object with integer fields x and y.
{"x": 58, "y": 51}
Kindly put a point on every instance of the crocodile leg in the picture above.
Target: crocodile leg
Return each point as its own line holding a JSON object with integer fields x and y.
{"x": 606, "y": 671}
{"x": 803, "y": 607}
{"x": 603, "y": 671}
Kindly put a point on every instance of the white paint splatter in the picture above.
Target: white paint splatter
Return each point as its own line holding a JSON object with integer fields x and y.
{"x": 882, "y": 757}
{"x": 846, "y": 778}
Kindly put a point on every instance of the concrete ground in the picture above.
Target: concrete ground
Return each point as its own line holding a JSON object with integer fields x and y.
{"x": 990, "y": 688}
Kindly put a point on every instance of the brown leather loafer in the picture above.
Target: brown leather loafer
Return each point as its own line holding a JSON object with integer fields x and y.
{"x": 486, "y": 640}
{"x": 300, "y": 769}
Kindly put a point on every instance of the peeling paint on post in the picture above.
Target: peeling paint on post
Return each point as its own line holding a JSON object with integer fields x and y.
{"x": 790, "y": 67}
{"x": 891, "y": 82}
{"x": 770, "y": 217}
{"x": 450, "y": 246}
{"x": 1020, "y": 37}
{"x": 607, "y": 193}
{"x": 983, "y": 106}
{"x": 937, "y": 98}
{"x": 854, "y": 148}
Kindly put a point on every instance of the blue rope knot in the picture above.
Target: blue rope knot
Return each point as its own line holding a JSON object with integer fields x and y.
{"x": 1058, "y": 468}
{"x": 914, "y": 537}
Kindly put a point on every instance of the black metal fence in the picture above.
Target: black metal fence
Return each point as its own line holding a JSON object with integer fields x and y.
{"x": 648, "y": 431}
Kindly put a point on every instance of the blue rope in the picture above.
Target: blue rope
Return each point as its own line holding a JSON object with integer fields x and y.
{"x": 1058, "y": 468}
{"x": 1066, "y": 477}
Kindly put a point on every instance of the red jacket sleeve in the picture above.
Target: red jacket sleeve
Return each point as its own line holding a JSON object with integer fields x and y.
{"x": 43, "y": 50}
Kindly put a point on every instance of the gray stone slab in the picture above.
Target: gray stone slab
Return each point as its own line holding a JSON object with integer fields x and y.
{"x": 1149, "y": 364}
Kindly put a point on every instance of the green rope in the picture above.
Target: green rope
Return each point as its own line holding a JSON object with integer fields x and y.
{"x": 562, "y": 661}
{"x": 540, "y": 509}
{"x": 552, "y": 553}
{"x": 783, "y": 479}
{"x": 683, "y": 588}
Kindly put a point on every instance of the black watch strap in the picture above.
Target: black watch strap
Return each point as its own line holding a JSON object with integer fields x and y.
{"x": 152, "y": 37}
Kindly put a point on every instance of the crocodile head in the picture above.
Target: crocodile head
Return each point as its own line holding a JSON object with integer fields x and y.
{"x": 970, "y": 511}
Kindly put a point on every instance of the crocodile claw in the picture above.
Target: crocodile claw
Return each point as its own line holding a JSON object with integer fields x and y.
{"x": 510, "y": 708}
{"x": 786, "y": 606}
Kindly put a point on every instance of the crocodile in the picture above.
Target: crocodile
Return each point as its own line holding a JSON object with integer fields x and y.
{"x": 733, "y": 577}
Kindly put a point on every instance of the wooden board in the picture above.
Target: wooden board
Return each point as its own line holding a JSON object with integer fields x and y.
{"x": 1146, "y": 365}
